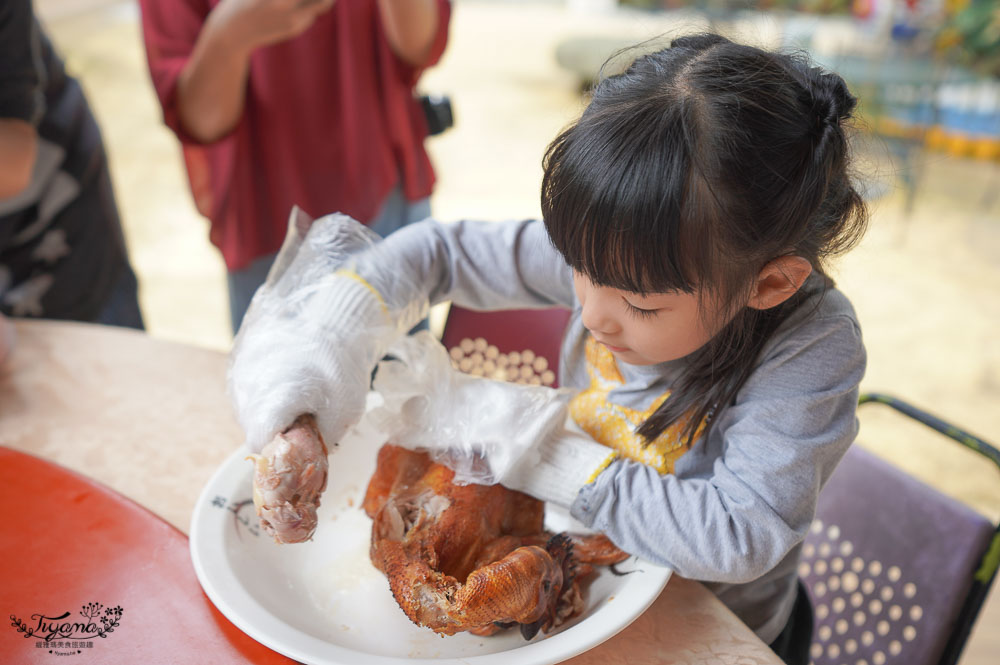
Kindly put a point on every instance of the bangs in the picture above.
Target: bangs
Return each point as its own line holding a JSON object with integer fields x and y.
{"x": 617, "y": 201}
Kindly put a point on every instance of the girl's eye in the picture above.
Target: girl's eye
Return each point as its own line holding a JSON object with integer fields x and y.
{"x": 639, "y": 312}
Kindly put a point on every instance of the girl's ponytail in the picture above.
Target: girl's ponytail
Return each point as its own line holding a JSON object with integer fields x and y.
{"x": 841, "y": 217}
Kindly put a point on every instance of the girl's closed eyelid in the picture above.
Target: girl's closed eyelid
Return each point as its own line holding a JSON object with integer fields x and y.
{"x": 639, "y": 311}
{"x": 658, "y": 305}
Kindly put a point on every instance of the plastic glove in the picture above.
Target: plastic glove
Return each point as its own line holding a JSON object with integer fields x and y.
{"x": 561, "y": 465}
{"x": 486, "y": 431}
{"x": 313, "y": 333}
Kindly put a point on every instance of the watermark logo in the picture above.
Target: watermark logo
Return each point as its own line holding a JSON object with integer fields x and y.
{"x": 66, "y": 636}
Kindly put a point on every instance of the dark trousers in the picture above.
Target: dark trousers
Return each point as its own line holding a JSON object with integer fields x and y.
{"x": 122, "y": 306}
{"x": 792, "y": 644}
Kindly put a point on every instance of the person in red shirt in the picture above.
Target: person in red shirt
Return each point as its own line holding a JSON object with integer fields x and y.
{"x": 295, "y": 102}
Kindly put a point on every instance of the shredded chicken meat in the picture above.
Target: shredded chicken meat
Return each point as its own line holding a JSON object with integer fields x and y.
{"x": 289, "y": 477}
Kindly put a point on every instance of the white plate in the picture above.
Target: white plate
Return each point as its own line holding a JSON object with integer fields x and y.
{"x": 323, "y": 602}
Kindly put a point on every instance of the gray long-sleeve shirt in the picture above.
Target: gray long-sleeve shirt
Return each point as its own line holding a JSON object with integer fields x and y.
{"x": 735, "y": 509}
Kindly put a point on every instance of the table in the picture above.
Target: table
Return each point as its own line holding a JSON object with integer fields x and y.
{"x": 151, "y": 420}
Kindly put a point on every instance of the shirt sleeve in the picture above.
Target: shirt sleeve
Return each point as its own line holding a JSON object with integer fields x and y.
{"x": 411, "y": 73}
{"x": 478, "y": 265}
{"x": 441, "y": 36}
{"x": 21, "y": 85}
{"x": 170, "y": 31}
{"x": 781, "y": 439}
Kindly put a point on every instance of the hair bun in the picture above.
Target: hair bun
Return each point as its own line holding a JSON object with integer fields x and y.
{"x": 833, "y": 101}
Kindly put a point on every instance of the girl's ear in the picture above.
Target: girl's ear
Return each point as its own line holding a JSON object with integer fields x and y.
{"x": 778, "y": 281}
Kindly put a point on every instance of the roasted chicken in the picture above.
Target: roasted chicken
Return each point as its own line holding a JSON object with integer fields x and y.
{"x": 473, "y": 558}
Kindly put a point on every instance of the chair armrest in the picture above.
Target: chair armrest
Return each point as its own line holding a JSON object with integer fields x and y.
{"x": 952, "y": 432}
{"x": 989, "y": 561}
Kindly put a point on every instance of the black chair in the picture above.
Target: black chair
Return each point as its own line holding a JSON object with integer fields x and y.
{"x": 897, "y": 571}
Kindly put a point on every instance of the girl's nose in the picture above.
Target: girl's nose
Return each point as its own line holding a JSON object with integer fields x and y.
{"x": 598, "y": 317}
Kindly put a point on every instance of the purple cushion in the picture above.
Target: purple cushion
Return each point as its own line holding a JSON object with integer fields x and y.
{"x": 888, "y": 562}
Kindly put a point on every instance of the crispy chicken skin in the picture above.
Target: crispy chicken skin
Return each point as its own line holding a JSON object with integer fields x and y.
{"x": 472, "y": 557}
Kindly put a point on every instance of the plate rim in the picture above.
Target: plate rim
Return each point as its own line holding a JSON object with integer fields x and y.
{"x": 236, "y": 603}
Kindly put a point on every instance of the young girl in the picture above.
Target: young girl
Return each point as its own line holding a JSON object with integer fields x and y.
{"x": 687, "y": 215}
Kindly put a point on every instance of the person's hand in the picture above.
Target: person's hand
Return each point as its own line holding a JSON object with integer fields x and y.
{"x": 298, "y": 379}
{"x": 314, "y": 332}
{"x": 254, "y": 23}
{"x": 480, "y": 428}
{"x": 486, "y": 431}
{"x": 313, "y": 354}
{"x": 559, "y": 467}
{"x": 6, "y": 338}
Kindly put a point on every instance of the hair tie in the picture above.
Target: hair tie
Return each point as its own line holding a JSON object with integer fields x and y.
{"x": 829, "y": 118}
{"x": 832, "y": 100}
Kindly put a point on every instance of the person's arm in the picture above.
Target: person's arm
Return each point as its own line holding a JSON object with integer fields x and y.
{"x": 311, "y": 342}
{"x": 21, "y": 99}
{"x": 211, "y": 90}
{"x": 6, "y": 338}
{"x": 478, "y": 265}
{"x": 411, "y": 27}
{"x": 779, "y": 442}
{"x": 18, "y": 148}
{"x": 206, "y": 96}
{"x": 325, "y": 318}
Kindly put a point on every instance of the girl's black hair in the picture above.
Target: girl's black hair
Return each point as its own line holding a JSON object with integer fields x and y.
{"x": 693, "y": 169}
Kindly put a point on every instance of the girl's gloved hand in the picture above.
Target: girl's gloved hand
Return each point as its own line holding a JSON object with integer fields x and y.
{"x": 312, "y": 335}
{"x": 560, "y": 466}
{"x": 301, "y": 364}
{"x": 314, "y": 357}
{"x": 486, "y": 431}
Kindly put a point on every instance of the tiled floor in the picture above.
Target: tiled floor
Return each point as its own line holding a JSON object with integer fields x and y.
{"x": 925, "y": 287}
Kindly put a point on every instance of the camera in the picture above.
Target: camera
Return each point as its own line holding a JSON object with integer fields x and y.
{"x": 437, "y": 110}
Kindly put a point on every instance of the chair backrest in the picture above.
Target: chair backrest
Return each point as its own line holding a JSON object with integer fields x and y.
{"x": 519, "y": 345}
{"x": 889, "y": 563}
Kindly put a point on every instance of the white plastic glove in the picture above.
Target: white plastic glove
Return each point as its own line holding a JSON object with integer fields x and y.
{"x": 487, "y": 431}
{"x": 312, "y": 335}
{"x": 560, "y": 466}
{"x": 313, "y": 358}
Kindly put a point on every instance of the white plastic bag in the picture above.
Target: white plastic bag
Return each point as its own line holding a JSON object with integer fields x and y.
{"x": 480, "y": 428}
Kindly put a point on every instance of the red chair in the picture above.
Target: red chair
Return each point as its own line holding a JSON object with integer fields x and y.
{"x": 519, "y": 344}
